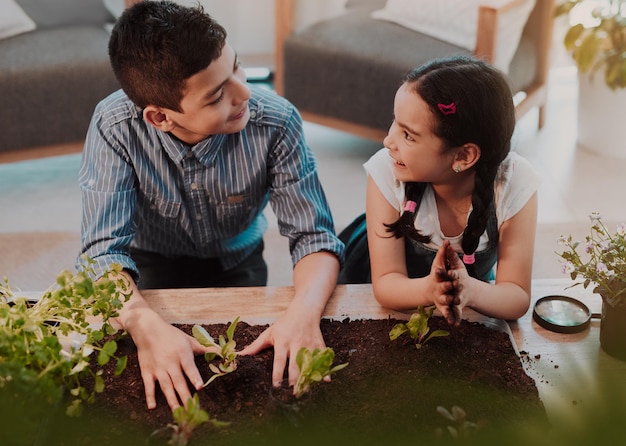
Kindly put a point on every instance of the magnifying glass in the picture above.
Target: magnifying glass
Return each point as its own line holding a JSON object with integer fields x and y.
{"x": 562, "y": 314}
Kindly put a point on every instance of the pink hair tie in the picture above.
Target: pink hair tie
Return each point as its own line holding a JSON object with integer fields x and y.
{"x": 468, "y": 259}
{"x": 410, "y": 206}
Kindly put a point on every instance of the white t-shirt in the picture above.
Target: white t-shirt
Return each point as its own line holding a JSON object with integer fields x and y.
{"x": 516, "y": 182}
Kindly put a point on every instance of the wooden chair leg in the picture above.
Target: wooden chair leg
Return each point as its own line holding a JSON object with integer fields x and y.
{"x": 542, "y": 116}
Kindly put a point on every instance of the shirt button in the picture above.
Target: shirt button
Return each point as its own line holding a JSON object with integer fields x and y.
{"x": 189, "y": 154}
{"x": 194, "y": 186}
{"x": 253, "y": 114}
{"x": 198, "y": 217}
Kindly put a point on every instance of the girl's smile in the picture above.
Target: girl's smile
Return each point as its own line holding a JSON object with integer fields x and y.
{"x": 398, "y": 164}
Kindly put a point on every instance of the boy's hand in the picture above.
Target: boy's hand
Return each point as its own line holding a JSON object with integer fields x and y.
{"x": 288, "y": 334}
{"x": 166, "y": 354}
{"x": 315, "y": 278}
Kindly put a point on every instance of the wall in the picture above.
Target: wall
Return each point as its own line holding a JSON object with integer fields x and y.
{"x": 250, "y": 23}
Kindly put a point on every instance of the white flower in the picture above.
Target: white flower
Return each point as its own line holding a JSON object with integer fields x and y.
{"x": 595, "y": 217}
{"x": 589, "y": 247}
{"x": 567, "y": 268}
{"x": 563, "y": 240}
{"x": 79, "y": 367}
{"x": 601, "y": 268}
{"x": 87, "y": 350}
{"x": 621, "y": 229}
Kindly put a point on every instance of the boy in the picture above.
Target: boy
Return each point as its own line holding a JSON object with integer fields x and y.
{"x": 177, "y": 169}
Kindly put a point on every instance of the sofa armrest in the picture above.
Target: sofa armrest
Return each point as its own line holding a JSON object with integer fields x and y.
{"x": 488, "y": 28}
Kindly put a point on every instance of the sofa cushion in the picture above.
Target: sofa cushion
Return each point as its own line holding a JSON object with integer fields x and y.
{"x": 366, "y": 59}
{"x": 50, "y": 83}
{"x": 363, "y": 58}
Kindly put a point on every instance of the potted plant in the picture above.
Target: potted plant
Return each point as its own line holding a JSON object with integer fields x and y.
{"x": 596, "y": 39}
{"x": 601, "y": 261}
{"x": 46, "y": 345}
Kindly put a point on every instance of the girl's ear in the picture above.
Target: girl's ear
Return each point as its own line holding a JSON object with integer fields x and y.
{"x": 157, "y": 117}
{"x": 467, "y": 156}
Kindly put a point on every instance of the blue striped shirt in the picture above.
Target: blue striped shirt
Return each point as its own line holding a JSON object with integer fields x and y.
{"x": 144, "y": 188}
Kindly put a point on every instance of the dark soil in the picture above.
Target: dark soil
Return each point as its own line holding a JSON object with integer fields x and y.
{"x": 388, "y": 393}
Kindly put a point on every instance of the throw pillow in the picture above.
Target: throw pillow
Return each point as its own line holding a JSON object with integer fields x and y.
{"x": 54, "y": 14}
{"x": 456, "y": 22}
{"x": 13, "y": 20}
{"x": 115, "y": 7}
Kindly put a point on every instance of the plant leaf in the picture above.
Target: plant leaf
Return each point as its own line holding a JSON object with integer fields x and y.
{"x": 203, "y": 336}
{"x": 231, "y": 329}
{"x": 397, "y": 331}
{"x": 121, "y": 365}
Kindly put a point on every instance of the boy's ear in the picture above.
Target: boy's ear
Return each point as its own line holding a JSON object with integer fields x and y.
{"x": 157, "y": 117}
{"x": 468, "y": 155}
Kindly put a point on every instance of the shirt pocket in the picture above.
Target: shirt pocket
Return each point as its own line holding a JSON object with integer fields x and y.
{"x": 236, "y": 214}
{"x": 159, "y": 215}
{"x": 165, "y": 209}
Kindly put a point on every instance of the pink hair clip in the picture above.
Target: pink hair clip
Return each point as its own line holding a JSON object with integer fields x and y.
{"x": 469, "y": 259}
{"x": 449, "y": 109}
{"x": 410, "y": 206}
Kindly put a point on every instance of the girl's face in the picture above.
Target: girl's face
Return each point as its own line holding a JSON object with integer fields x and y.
{"x": 215, "y": 101}
{"x": 418, "y": 153}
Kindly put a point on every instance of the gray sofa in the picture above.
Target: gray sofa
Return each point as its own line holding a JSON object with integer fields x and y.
{"x": 343, "y": 72}
{"x": 52, "y": 78}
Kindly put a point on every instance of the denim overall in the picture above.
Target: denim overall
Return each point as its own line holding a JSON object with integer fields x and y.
{"x": 419, "y": 258}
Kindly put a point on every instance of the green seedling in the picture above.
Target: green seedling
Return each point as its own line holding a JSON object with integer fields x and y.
{"x": 186, "y": 420}
{"x": 225, "y": 350}
{"x": 463, "y": 428}
{"x": 314, "y": 367}
{"x": 417, "y": 327}
{"x": 46, "y": 344}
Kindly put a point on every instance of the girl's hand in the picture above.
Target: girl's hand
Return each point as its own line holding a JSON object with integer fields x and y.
{"x": 446, "y": 270}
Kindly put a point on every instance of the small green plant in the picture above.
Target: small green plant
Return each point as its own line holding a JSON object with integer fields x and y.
{"x": 186, "y": 420}
{"x": 46, "y": 345}
{"x": 600, "y": 261}
{"x": 598, "y": 41}
{"x": 314, "y": 367}
{"x": 225, "y": 350}
{"x": 417, "y": 327}
{"x": 463, "y": 429}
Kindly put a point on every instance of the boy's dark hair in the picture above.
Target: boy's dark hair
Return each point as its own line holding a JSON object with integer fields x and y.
{"x": 155, "y": 46}
{"x": 485, "y": 116}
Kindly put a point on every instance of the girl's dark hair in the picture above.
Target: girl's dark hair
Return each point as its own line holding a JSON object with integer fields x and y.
{"x": 484, "y": 116}
{"x": 155, "y": 46}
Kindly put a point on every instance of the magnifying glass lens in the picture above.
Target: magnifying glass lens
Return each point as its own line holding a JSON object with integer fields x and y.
{"x": 561, "y": 314}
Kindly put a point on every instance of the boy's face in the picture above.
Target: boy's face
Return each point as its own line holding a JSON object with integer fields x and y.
{"x": 215, "y": 101}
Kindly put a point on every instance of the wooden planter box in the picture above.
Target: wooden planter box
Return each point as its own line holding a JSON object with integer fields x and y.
{"x": 566, "y": 367}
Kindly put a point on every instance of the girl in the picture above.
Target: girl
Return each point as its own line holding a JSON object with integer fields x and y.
{"x": 446, "y": 198}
